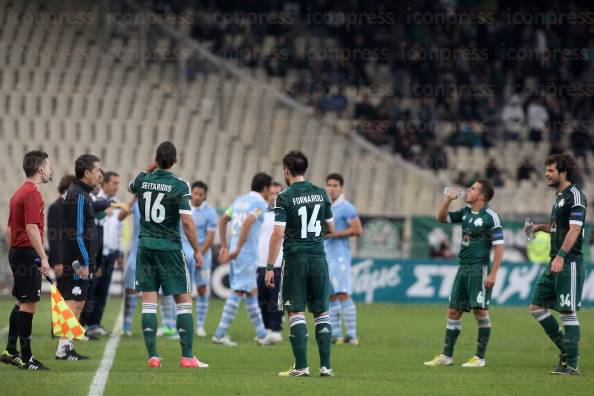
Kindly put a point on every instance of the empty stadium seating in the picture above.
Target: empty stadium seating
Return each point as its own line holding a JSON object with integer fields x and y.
{"x": 71, "y": 89}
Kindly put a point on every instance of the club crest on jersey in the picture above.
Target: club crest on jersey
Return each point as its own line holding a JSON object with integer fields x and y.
{"x": 561, "y": 203}
{"x": 478, "y": 222}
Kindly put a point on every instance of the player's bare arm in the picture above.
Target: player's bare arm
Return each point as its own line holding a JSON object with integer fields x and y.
{"x": 126, "y": 209}
{"x": 539, "y": 227}
{"x": 207, "y": 242}
{"x": 276, "y": 239}
{"x": 568, "y": 242}
{"x": 354, "y": 229}
{"x": 497, "y": 258}
{"x": 442, "y": 214}
{"x": 225, "y": 218}
{"x": 243, "y": 234}
{"x": 35, "y": 238}
{"x": 152, "y": 166}
{"x": 190, "y": 231}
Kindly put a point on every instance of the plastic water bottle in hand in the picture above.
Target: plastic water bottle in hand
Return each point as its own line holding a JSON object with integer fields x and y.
{"x": 530, "y": 234}
{"x": 76, "y": 267}
{"x": 461, "y": 193}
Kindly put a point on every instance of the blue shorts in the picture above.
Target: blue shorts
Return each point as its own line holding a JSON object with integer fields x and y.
{"x": 199, "y": 277}
{"x": 341, "y": 275}
{"x": 243, "y": 276}
{"x": 130, "y": 274}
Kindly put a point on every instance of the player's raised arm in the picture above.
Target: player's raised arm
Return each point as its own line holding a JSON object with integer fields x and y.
{"x": 442, "y": 214}
{"x": 538, "y": 227}
{"x": 126, "y": 210}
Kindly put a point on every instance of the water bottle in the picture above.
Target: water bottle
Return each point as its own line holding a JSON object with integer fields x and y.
{"x": 530, "y": 234}
{"x": 461, "y": 193}
{"x": 76, "y": 267}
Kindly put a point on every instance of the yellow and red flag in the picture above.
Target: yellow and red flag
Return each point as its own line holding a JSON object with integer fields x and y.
{"x": 64, "y": 323}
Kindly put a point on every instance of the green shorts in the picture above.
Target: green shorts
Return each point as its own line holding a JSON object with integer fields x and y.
{"x": 165, "y": 269}
{"x": 304, "y": 281}
{"x": 469, "y": 291}
{"x": 561, "y": 291}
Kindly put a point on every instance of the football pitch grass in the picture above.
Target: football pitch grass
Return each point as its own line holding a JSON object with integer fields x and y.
{"x": 395, "y": 341}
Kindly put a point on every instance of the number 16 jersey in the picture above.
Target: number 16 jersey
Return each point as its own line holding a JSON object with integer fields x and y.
{"x": 304, "y": 209}
{"x": 162, "y": 196}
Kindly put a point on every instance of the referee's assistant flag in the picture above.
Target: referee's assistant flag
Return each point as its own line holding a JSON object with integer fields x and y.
{"x": 64, "y": 323}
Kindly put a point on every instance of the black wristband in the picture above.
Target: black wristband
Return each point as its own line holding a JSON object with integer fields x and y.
{"x": 269, "y": 267}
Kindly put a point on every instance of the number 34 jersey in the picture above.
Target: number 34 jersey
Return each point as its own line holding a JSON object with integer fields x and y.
{"x": 304, "y": 209}
{"x": 162, "y": 197}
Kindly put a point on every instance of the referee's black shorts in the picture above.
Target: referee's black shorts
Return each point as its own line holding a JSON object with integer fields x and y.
{"x": 24, "y": 263}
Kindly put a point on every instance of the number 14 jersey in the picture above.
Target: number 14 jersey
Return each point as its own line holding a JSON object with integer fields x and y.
{"x": 304, "y": 209}
{"x": 162, "y": 196}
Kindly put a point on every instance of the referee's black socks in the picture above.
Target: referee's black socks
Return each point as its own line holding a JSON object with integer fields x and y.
{"x": 13, "y": 331}
{"x": 25, "y": 324}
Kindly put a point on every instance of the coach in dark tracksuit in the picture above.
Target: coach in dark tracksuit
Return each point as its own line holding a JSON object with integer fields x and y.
{"x": 55, "y": 228}
{"x": 80, "y": 243}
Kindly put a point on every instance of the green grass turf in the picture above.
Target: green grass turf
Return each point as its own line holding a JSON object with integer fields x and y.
{"x": 395, "y": 340}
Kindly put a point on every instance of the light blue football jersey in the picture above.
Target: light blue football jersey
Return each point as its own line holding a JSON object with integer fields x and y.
{"x": 252, "y": 203}
{"x": 344, "y": 212}
{"x": 205, "y": 217}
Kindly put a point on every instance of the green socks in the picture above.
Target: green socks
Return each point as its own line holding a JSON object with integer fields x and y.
{"x": 572, "y": 338}
{"x": 551, "y": 327}
{"x": 453, "y": 329}
{"x": 185, "y": 328}
{"x": 484, "y": 332}
{"x": 324, "y": 338}
{"x": 149, "y": 328}
{"x": 298, "y": 338}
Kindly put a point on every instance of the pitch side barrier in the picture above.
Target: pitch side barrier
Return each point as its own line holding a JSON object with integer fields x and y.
{"x": 430, "y": 281}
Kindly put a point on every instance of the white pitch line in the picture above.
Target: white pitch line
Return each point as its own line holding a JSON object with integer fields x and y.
{"x": 100, "y": 379}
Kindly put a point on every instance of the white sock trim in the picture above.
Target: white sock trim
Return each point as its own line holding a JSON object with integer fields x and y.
{"x": 149, "y": 308}
{"x": 484, "y": 322}
{"x": 569, "y": 319}
{"x": 454, "y": 324}
{"x": 541, "y": 314}
{"x": 296, "y": 320}
{"x": 323, "y": 319}
{"x": 184, "y": 309}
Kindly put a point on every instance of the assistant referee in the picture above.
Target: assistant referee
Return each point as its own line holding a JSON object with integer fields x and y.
{"x": 27, "y": 258}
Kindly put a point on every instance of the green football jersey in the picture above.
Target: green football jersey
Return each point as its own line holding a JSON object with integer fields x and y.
{"x": 480, "y": 231}
{"x": 304, "y": 210}
{"x": 162, "y": 196}
{"x": 569, "y": 208}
